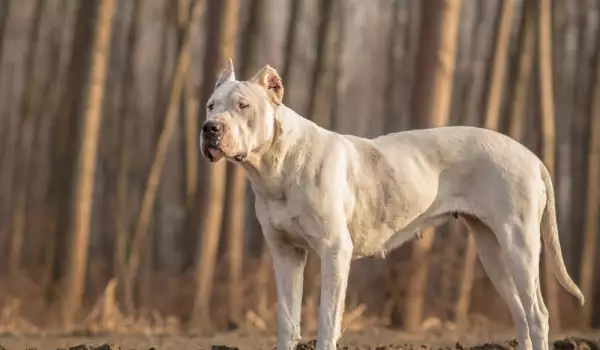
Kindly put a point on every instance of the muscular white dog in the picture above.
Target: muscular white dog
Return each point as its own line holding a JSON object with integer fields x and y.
{"x": 347, "y": 197}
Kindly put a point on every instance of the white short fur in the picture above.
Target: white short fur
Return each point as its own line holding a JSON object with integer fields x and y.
{"x": 347, "y": 197}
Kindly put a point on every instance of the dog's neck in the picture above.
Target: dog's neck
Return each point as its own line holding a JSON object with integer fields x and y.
{"x": 281, "y": 162}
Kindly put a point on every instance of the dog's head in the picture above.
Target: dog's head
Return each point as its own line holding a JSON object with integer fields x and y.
{"x": 241, "y": 115}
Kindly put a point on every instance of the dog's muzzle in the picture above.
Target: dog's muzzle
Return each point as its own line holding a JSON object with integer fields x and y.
{"x": 212, "y": 141}
{"x": 212, "y": 134}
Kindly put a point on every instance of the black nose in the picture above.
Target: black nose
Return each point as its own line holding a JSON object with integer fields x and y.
{"x": 212, "y": 128}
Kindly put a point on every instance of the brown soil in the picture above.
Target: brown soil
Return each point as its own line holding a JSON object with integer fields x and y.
{"x": 377, "y": 339}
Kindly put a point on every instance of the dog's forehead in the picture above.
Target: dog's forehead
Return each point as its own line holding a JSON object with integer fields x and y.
{"x": 222, "y": 92}
{"x": 233, "y": 90}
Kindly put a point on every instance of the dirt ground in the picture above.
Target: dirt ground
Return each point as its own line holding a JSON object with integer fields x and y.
{"x": 379, "y": 339}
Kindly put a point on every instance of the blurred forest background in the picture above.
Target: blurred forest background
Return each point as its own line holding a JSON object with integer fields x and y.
{"x": 110, "y": 219}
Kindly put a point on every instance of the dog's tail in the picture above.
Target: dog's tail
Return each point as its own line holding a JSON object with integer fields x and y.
{"x": 551, "y": 241}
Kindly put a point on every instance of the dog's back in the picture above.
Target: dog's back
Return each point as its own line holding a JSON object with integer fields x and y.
{"x": 402, "y": 181}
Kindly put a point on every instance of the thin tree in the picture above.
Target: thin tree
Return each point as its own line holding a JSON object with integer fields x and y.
{"x": 125, "y": 160}
{"x": 234, "y": 231}
{"x": 431, "y": 107}
{"x": 588, "y": 256}
{"x": 290, "y": 42}
{"x": 214, "y": 200}
{"x": 565, "y": 63}
{"x": 323, "y": 81}
{"x": 522, "y": 80}
{"x": 67, "y": 99}
{"x": 546, "y": 100}
{"x": 475, "y": 90}
{"x": 492, "y": 119}
{"x": 19, "y": 26}
{"x": 3, "y": 17}
{"x": 191, "y": 104}
{"x": 86, "y": 165}
{"x": 166, "y": 134}
{"x": 29, "y": 103}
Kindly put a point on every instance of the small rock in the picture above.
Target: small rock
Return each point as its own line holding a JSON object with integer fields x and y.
{"x": 82, "y": 347}
{"x": 107, "y": 347}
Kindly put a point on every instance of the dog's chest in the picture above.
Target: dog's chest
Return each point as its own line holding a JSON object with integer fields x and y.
{"x": 290, "y": 218}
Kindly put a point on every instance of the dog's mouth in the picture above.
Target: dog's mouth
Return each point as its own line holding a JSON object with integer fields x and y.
{"x": 214, "y": 154}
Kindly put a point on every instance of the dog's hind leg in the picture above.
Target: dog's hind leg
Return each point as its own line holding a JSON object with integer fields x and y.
{"x": 521, "y": 245}
{"x": 492, "y": 259}
{"x": 542, "y": 310}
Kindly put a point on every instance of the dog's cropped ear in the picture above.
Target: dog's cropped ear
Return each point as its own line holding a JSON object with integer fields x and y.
{"x": 268, "y": 78}
{"x": 226, "y": 75}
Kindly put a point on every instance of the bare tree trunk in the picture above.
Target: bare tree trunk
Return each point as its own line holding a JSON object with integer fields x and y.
{"x": 548, "y": 131}
{"x": 522, "y": 80}
{"x": 300, "y": 54}
{"x": 476, "y": 86}
{"x": 470, "y": 18}
{"x": 588, "y": 256}
{"x": 24, "y": 151}
{"x": 492, "y": 120}
{"x": 496, "y": 82}
{"x": 214, "y": 200}
{"x": 183, "y": 13}
{"x": 191, "y": 105}
{"x": 292, "y": 30}
{"x": 46, "y": 74}
{"x": 122, "y": 220}
{"x": 584, "y": 48}
{"x": 190, "y": 108}
{"x": 3, "y": 16}
{"x": 19, "y": 26}
{"x": 431, "y": 107}
{"x": 77, "y": 257}
{"x": 564, "y": 62}
{"x": 124, "y": 163}
{"x": 234, "y": 231}
{"x": 177, "y": 85}
{"x": 435, "y": 63}
{"x": 395, "y": 119}
{"x": 75, "y": 46}
{"x": 323, "y": 83}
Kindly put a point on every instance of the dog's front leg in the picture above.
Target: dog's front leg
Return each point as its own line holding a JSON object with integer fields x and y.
{"x": 335, "y": 266}
{"x": 288, "y": 263}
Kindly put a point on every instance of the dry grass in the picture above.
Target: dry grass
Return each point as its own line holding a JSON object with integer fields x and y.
{"x": 24, "y": 307}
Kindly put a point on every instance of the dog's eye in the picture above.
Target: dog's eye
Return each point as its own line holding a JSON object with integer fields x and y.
{"x": 242, "y": 105}
{"x": 211, "y": 106}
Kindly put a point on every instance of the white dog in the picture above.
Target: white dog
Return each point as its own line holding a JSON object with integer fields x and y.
{"x": 347, "y": 197}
